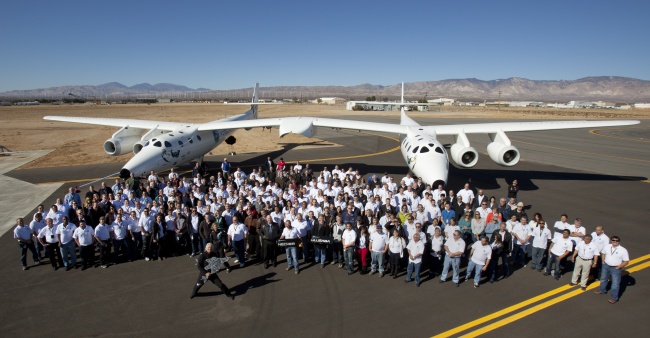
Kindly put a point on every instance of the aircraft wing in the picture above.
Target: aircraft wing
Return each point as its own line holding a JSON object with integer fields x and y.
{"x": 299, "y": 124}
{"x": 141, "y": 124}
{"x": 488, "y": 128}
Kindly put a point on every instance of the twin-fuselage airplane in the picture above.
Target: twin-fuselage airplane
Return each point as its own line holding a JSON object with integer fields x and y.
{"x": 161, "y": 145}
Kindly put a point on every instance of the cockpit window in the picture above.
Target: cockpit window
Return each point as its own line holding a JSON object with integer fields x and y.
{"x": 198, "y": 137}
{"x": 439, "y": 150}
{"x": 424, "y": 150}
{"x": 146, "y": 144}
{"x": 157, "y": 144}
{"x": 415, "y": 150}
{"x": 168, "y": 145}
{"x": 431, "y": 145}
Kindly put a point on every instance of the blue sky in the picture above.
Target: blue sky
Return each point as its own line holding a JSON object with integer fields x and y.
{"x": 233, "y": 44}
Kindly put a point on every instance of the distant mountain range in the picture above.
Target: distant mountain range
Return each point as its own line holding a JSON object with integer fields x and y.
{"x": 606, "y": 88}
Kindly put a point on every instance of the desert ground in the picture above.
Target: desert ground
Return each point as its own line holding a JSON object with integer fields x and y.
{"x": 23, "y": 128}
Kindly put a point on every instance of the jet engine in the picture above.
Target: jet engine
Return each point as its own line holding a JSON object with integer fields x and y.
{"x": 138, "y": 146}
{"x": 120, "y": 145}
{"x": 122, "y": 141}
{"x": 501, "y": 151}
{"x": 462, "y": 153}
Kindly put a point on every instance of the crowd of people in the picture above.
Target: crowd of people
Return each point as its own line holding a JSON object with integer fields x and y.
{"x": 370, "y": 225}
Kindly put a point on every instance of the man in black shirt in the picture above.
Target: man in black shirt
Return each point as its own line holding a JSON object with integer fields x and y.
{"x": 208, "y": 264}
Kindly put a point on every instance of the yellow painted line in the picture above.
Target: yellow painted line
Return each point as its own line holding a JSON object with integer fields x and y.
{"x": 542, "y": 306}
{"x": 595, "y": 132}
{"x": 520, "y": 305}
{"x": 582, "y": 152}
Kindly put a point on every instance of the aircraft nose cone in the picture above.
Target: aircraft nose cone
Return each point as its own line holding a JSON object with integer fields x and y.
{"x": 125, "y": 173}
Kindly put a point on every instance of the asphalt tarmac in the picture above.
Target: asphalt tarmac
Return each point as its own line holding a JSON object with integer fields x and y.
{"x": 602, "y": 180}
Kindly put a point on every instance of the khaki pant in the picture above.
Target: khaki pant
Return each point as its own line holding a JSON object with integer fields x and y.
{"x": 582, "y": 267}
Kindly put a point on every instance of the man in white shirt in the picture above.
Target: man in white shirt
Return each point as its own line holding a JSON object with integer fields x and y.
{"x": 520, "y": 237}
{"x": 577, "y": 232}
{"x": 303, "y": 227}
{"x": 600, "y": 239}
{"x": 378, "y": 248}
{"x": 36, "y": 225}
{"x": 560, "y": 226}
{"x": 24, "y": 234}
{"x": 559, "y": 249}
{"x": 237, "y": 234}
{"x": 348, "y": 240}
{"x": 290, "y": 232}
{"x": 415, "y": 249}
{"x": 103, "y": 237}
{"x": 120, "y": 230}
{"x": 65, "y": 231}
{"x": 50, "y": 241}
{"x": 615, "y": 258}
{"x": 541, "y": 235}
{"x": 479, "y": 260}
{"x": 454, "y": 248}
{"x": 584, "y": 257}
{"x": 84, "y": 237}
{"x": 466, "y": 194}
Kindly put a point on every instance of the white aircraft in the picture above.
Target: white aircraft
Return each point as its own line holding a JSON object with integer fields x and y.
{"x": 160, "y": 145}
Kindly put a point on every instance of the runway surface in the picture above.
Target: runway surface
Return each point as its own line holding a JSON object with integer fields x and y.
{"x": 595, "y": 176}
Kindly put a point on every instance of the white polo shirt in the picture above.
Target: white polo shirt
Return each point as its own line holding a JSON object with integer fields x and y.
{"x": 521, "y": 231}
{"x": 600, "y": 241}
{"x": 37, "y": 226}
{"x": 541, "y": 237}
{"x": 558, "y": 227}
{"x": 237, "y": 231}
{"x": 102, "y": 231}
{"x": 449, "y": 230}
{"x": 23, "y": 232}
{"x": 466, "y": 195}
{"x": 49, "y": 234}
{"x": 436, "y": 245}
{"x": 378, "y": 241}
{"x": 481, "y": 253}
{"x": 455, "y": 246}
{"x": 301, "y": 226}
{"x": 84, "y": 236}
{"x": 290, "y": 233}
{"x": 561, "y": 245}
{"x": 66, "y": 232}
{"x": 119, "y": 230}
{"x": 587, "y": 251}
{"x": 348, "y": 237}
{"x": 415, "y": 248}
{"x": 580, "y": 229}
{"x": 615, "y": 255}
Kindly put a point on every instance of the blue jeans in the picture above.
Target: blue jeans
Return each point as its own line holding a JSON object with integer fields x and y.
{"x": 409, "y": 271}
{"x": 454, "y": 262}
{"x": 240, "y": 251}
{"x": 337, "y": 252}
{"x": 476, "y": 268}
{"x": 538, "y": 255}
{"x": 349, "y": 258}
{"x": 69, "y": 249}
{"x": 23, "y": 252}
{"x": 292, "y": 256}
{"x": 320, "y": 254}
{"x": 519, "y": 254}
{"x": 552, "y": 258}
{"x": 197, "y": 243}
{"x": 615, "y": 274}
{"x": 377, "y": 259}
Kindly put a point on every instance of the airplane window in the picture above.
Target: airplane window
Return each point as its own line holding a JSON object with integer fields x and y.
{"x": 146, "y": 144}
{"x": 431, "y": 145}
{"x": 167, "y": 144}
{"x": 172, "y": 135}
{"x": 417, "y": 135}
{"x": 190, "y": 140}
{"x": 157, "y": 144}
{"x": 439, "y": 150}
{"x": 153, "y": 140}
{"x": 420, "y": 139}
{"x": 415, "y": 150}
{"x": 424, "y": 150}
{"x": 180, "y": 143}
{"x": 198, "y": 137}
{"x": 409, "y": 148}
{"x": 180, "y": 132}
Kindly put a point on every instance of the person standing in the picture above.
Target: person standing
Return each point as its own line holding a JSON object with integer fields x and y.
{"x": 479, "y": 260}
{"x": 237, "y": 234}
{"x": 378, "y": 248}
{"x": 36, "y": 225}
{"x": 415, "y": 249}
{"x": 363, "y": 243}
{"x": 208, "y": 264}
{"x": 584, "y": 258}
{"x": 502, "y": 252}
{"x": 103, "y": 240}
{"x": 559, "y": 249}
{"x": 270, "y": 232}
{"x": 348, "y": 241}
{"x": 290, "y": 232}
{"x": 338, "y": 228}
{"x": 615, "y": 258}
{"x": 541, "y": 235}
{"x": 84, "y": 237}
{"x": 120, "y": 231}
{"x": 437, "y": 251}
{"x": 24, "y": 235}
{"x": 396, "y": 246}
{"x": 65, "y": 231}
{"x": 50, "y": 241}
{"x": 454, "y": 248}
{"x": 225, "y": 169}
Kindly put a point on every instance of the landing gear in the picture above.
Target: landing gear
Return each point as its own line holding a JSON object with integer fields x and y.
{"x": 231, "y": 140}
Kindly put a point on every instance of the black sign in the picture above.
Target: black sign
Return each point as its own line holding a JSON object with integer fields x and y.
{"x": 321, "y": 240}
{"x": 287, "y": 243}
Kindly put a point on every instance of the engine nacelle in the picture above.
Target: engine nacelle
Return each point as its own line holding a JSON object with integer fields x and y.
{"x": 465, "y": 157}
{"x": 138, "y": 146}
{"x": 501, "y": 154}
{"x": 120, "y": 145}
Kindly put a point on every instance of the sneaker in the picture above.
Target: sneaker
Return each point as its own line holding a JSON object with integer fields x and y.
{"x": 236, "y": 261}
{"x": 24, "y": 268}
{"x": 584, "y": 288}
{"x": 228, "y": 270}
{"x": 288, "y": 268}
{"x": 104, "y": 266}
{"x": 350, "y": 272}
{"x": 573, "y": 284}
{"x": 476, "y": 285}
{"x": 341, "y": 266}
{"x": 147, "y": 259}
{"x": 417, "y": 284}
{"x": 381, "y": 275}
{"x": 297, "y": 272}
{"x": 407, "y": 281}
{"x": 372, "y": 272}
{"x": 322, "y": 266}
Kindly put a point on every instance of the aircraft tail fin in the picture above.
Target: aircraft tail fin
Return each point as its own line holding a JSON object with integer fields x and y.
{"x": 254, "y": 106}
{"x": 404, "y": 119}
